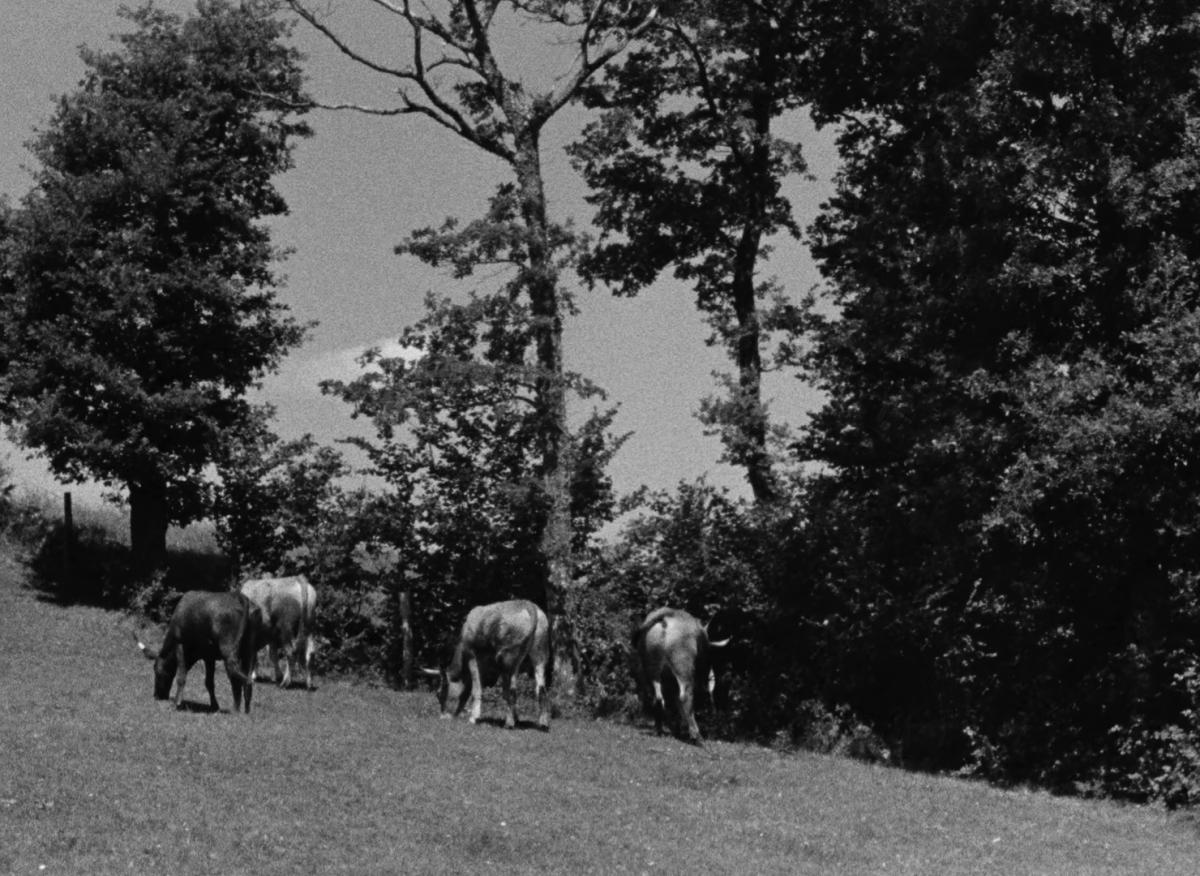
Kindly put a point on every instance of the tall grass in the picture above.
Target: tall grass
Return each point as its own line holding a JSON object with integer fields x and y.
{"x": 112, "y": 520}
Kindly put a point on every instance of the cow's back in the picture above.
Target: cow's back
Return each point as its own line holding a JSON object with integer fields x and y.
{"x": 669, "y": 640}
{"x": 497, "y": 624}
{"x": 288, "y": 603}
{"x": 210, "y": 624}
{"x": 506, "y": 631}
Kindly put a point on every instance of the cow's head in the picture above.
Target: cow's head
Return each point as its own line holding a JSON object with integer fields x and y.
{"x": 452, "y": 693}
{"x": 164, "y": 669}
{"x": 711, "y": 681}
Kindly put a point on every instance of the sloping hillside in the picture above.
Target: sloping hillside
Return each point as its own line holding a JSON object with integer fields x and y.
{"x": 97, "y": 777}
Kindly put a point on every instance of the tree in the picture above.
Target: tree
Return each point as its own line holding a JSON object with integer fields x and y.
{"x": 272, "y": 497}
{"x": 685, "y": 167}
{"x": 1009, "y": 500}
{"x": 456, "y": 425}
{"x": 454, "y": 76}
{"x": 140, "y": 299}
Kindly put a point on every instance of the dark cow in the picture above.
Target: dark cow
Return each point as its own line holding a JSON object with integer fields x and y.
{"x": 209, "y": 627}
{"x": 288, "y": 606}
{"x": 496, "y": 640}
{"x": 671, "y": 648}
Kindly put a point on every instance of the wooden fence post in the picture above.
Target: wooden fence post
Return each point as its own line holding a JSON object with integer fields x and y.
{"x": 406, "y": 640}
{"x": 68, "y": 541}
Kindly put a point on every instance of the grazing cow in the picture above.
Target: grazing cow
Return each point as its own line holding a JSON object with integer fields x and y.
{"x": 671, "y": 648}
{"x": 288, "y": 605}
{"x": 209, "y": 627}
{"x": 496, "y": 640}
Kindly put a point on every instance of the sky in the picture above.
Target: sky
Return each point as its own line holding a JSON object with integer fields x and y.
{"x": 361, "y": 183}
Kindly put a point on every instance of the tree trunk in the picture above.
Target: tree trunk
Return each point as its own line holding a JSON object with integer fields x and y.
{"x": 407, "y": 669}
{"x": 147, "y": 528}
{"x": 542, "y": 286}
{"x": 756, "y": 456}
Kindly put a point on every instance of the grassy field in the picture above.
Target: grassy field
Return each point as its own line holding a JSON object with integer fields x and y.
{"x": 97, "y": 777}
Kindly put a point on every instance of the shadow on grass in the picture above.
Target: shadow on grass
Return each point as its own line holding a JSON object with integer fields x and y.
{"x": 522, "y": 724}
{"x": 292, "y": 685}
{"x": 94, "y": 569}
{"x": 194, "y": 708}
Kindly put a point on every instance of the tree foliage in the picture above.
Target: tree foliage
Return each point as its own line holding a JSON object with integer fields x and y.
{"x": 273, "y": 497}
{"x": 686, "y": 165}
{"x": 139, "y": 298}
{"x": 456, "y": 419}
{"x": 1007, "y": 515}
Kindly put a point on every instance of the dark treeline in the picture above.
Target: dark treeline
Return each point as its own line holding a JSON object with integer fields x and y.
{"x": 980, "y": 554}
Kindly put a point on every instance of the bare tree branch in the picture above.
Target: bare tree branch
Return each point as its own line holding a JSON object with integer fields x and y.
{"x": 587, "y": 64}
{"x": 434, "y": 105}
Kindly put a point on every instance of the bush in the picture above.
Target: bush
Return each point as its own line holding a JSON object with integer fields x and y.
{"x": 602, "y": 622}
{"x": 716, "y": 557}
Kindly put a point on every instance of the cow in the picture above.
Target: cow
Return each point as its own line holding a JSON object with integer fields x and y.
{"x": 671, "y": 648}
{"x": 288, "y": 606}
{"x": 497, "y": 640}
{"x": 210, "y": 627}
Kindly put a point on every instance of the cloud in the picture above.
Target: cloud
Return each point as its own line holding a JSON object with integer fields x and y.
{"x": 301, "y": 375}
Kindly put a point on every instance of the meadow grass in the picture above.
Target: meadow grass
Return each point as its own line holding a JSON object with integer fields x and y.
{"x": 97, "y": 777}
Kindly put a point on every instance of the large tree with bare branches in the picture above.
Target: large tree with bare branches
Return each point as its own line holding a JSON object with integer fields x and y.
{"x": 451, "y": 73}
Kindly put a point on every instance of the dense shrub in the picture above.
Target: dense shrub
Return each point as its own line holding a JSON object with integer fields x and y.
{"x": 726, "y": 561}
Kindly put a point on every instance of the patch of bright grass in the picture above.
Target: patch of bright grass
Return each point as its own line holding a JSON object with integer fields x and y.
{"x": 112, "y": 520}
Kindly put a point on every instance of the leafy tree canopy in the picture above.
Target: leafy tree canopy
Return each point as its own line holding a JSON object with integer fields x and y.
{"x": 1011, "y": 496}
{"x": 139, "y": 298}
{"x": 457, "y": 423}
{"x": 686, "y": 166}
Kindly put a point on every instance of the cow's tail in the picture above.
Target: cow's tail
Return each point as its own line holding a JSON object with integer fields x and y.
{"x": 550, "y": 655}
{"x": 659, "y": 615}
{"x": 305, "y": 632}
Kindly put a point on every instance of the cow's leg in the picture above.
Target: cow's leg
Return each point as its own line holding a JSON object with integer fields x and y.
{"x": 210, "y": 668}
{"x": 181, "y": 671}
{"x": 687, "y": 710}
{"x": 658, "y": 705}
{"x": 510, "y": 697}
{"x": 476, "y": 690}
{"x": 240, "y": 681}
{"x": 543, "y": 700}
{"x": 286, "y": 658}
{"x": 308, "y": 652}
{"x": 236, "y": 686}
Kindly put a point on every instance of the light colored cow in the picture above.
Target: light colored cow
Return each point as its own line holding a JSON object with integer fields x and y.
{"x": 288, "y": 606}
{"x": 496, "y": 640}
{"x": 671, "y": 648}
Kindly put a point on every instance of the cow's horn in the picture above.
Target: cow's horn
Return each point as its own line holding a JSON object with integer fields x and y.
{"x": 150, "y": 653}
{"x": 720, "y": 644}
{"x": 435, "y": 673}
